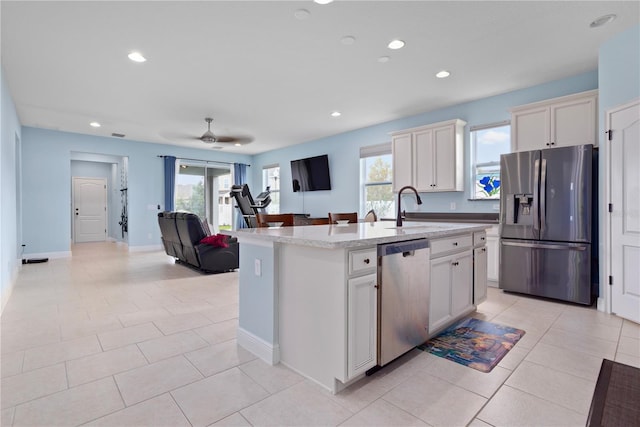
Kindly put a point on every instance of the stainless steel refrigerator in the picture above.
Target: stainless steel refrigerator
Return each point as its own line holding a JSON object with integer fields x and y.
{"x": 547, "y": 236}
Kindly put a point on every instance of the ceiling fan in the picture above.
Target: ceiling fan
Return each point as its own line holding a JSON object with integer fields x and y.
{"x": 210, "y": 138}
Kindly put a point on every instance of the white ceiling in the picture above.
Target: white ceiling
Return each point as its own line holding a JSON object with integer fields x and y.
{"x": 261, "y": 72}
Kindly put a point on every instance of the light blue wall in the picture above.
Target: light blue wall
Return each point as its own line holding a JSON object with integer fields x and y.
{"x": 344, "y": 151}
{"x": 47, "y": 177}
{"x": 9, "y": 199}
{"x": 619, "y": 69}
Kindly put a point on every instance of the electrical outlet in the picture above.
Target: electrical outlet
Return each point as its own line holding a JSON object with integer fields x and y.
{"x": 257, "y": 267}
{"x": 452, "y": 206}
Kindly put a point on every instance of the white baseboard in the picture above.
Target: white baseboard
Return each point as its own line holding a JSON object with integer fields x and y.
{"x": 256, "y": 345}
{"x": 7, "y": 290}
{"x": 147, "y": 248}
{"x": 600, "y": 305}
{"x": 50, "y": 255}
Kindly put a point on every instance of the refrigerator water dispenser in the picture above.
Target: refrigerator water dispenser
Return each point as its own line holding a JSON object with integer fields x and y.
{"x": 519, "y": 209}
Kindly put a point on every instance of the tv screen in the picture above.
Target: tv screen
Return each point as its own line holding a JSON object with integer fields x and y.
{"x": 311, "y": 174}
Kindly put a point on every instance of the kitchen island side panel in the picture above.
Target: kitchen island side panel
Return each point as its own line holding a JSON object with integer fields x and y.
{"x": 312, "y": 298}
{"x": 257, "y": 326}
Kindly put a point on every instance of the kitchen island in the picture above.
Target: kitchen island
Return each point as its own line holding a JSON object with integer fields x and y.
{"x": 308, "y": 294}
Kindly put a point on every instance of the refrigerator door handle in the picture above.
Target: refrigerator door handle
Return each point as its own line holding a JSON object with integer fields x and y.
{"x": 543, "y": 195}
{"x": 572, "y": 246}
{"x": 536, "y": 195}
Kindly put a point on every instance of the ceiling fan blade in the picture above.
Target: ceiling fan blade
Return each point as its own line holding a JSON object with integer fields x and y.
{"x": 235, "y": 139}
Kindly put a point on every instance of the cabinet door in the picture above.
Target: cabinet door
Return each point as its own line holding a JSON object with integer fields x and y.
{"x": 440, "y": 294}
{"x": 402, "y": 161}
{"x": 445, "y": 158}
{"x": 493, "y": 261}
{"x": 424, "y": 160}
{"x": 479, "y": 275}
{"x": 530, "y": 129}
{"x": 362, "y": 324}
{"x": 462, "y": 283}
{"x": 573, "y": 123}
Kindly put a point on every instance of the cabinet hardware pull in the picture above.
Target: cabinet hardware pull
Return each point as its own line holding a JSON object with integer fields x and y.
{"x": 455, "y": 243}
{"x": 366, "y": 261}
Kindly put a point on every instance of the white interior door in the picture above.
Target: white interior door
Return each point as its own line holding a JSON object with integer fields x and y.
{"x": 89, "y": 209}
{"x": 624, "y": 149}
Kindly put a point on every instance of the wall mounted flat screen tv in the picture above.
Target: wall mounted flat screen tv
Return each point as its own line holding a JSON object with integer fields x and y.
{"x": 311, "y": 174}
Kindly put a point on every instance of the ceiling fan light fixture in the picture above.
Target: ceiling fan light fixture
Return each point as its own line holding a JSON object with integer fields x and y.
{"x": 208, "y": 136}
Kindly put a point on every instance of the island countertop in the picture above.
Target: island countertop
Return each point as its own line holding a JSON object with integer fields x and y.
{"x": 356, "y": 234}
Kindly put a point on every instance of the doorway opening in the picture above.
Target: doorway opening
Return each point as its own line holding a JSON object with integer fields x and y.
{"x": 113, "y": 170}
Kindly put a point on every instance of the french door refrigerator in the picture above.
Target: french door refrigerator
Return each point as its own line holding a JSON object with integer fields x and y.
{"x": 546, "y": 234}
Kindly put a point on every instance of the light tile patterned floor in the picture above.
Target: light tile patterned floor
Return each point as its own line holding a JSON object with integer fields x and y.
{"x": 114, "y": 338}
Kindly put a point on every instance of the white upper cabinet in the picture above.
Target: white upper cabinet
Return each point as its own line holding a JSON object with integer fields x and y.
{"x": 558, "y": 122}
{"x": 429, "y": 158}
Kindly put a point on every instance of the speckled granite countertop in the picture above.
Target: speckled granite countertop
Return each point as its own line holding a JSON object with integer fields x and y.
{"x": 355, "y": 235}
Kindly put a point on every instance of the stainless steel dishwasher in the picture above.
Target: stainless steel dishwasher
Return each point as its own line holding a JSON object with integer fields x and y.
{"x": 403, "y": 297}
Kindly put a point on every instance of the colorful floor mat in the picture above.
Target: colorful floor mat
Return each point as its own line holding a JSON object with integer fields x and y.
{"x": 474, "y": 343}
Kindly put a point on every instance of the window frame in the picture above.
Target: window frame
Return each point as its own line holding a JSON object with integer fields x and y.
{"x": 274, "y": 193}
{"x": 475, "y": 166}
{"x": 377, "y": 150}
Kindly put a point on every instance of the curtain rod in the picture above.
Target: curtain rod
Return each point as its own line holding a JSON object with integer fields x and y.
{"x": 206, "y": 161}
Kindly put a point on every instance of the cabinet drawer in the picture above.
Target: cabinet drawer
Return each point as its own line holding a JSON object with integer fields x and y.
{"x": 362, "y": 261}
{"x": 479, "y": 238}
{"x": 450, "y": 244}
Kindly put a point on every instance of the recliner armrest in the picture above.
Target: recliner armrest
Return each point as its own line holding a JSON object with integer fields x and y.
{"x": 215, "y": 259}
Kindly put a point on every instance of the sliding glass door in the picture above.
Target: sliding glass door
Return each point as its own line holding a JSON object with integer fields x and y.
{"x": 204, "y": 189}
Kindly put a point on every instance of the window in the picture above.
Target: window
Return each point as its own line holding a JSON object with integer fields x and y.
{"x": 376, "y": 191}
{"x": 271, "y": 179}
{"x": 203, "y": 189}
{"x": 488, "y": 142}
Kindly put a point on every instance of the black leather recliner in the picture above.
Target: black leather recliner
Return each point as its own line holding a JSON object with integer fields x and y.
{"x": 181, "y": 236}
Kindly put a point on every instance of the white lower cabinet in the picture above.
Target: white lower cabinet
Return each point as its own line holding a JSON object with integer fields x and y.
{"x": 361, "y": 324}
{"x": 451, "y": 288}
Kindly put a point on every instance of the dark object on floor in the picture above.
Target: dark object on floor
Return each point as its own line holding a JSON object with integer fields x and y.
{"x": 616, "y": 397}
{"x": 181, "y": 236}
{"x": 34, "y": 260}
{"x": 474, "y": 343}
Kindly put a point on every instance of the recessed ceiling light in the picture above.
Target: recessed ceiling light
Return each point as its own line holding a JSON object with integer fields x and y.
{"x": 443, "y": 74}
{"x": 301, "y": 14}
{"x": 237, "y": 144}
{"x": 383, "y": 59}
{"x": 136, "y": 57}
{"x": 323, "y": 1}
{"x": 347, "y": 40}
{"x": 336, "y": 114}
{"x": 395, "y": 44}
{"x": 603, "y": 20}
{"x": 94, "y": 124}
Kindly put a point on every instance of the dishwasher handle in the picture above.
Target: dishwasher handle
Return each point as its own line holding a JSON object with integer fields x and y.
{"x": 403, "y": 247}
